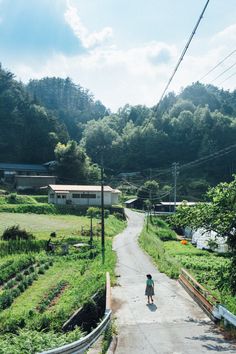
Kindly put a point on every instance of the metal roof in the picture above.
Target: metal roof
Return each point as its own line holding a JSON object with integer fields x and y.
{"x": 22, "y": 167}
{"x": 80, "y": 188}
{"x": 131, "y": 201}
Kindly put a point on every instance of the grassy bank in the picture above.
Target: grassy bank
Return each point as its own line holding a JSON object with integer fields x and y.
{"x": 210, "y": 269}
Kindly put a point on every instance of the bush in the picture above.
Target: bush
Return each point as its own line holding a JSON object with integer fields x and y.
{"x": 6, "y": 299}
{"x": 41, "y": 270}
{"x": 166, "y": 234}
{"x": 14, "y": 198}
{"x": 14, "y": 233}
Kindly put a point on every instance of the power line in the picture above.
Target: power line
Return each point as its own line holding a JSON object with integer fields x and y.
{"x": 180, "y": 59}
{"x": 229, "y": 77}
{"x": 230, "y": 67}
{"x": 216, "y": 66}
{"x": 210, "y": 157}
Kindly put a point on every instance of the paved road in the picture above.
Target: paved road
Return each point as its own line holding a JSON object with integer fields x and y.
{"x": 174, "y": 324}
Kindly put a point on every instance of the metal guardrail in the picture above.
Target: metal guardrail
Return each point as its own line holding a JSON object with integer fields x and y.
{"x": 204, "y": 298}
{"x": 220, "y": 312}
{"x": 80, "y": 346}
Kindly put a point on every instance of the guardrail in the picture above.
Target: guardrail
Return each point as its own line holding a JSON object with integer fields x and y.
{"x": 80, "y": 346}
{"x": 220, "y": 312}
{"x": 201, "y": 295}
{"x": 205, "y": 299}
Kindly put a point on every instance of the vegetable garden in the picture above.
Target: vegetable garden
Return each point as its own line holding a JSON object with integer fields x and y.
{"x": 40, "y": 290}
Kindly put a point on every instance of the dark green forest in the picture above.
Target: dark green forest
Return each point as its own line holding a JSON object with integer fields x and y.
{"x": 40, "y": 118}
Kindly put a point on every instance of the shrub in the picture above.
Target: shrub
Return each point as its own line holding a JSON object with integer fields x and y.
{"x": 14, "y": 198}
{"x": 41, "y": 270}
{"x": 6, "y": 299}
{"x": 166, "y": 234}
{"x": 19, "y": 277}
{"x": 15, "y": 233}
{"x": 21, "y": 287}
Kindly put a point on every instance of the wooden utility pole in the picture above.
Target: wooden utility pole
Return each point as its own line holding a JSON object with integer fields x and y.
{"x": 102, "y": 213}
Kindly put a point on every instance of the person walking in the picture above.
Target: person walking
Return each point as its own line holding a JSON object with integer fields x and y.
{"x": 149, "y": 291}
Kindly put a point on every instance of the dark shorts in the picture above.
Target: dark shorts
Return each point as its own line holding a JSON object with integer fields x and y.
{"x": 149, "y": 290}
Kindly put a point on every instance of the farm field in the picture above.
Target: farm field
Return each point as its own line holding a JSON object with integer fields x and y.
{"x": 209, "y": 268}
{"x": 42, "y": 225}
{"x": 39, "y": 290}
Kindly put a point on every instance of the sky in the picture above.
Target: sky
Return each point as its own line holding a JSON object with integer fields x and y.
{"x": 123, "y": 51}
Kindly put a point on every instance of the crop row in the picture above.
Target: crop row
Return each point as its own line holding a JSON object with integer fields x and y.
{"x": 13, "y": 268}
{"x": 52, "y": 294}
{"x": 18, "y": 285}
{"x": 203, "y": 263}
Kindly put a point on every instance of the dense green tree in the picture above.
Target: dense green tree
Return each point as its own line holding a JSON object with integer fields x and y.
{"x": 149, "y": 192}
{"x": 73, "y": 165}
{"x": 28, "y": 133}
{"x": 73, "y": 105}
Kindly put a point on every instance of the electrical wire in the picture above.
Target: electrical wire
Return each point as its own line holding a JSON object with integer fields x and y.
{"x": 229, "y": 77}
{"x": 210, "y": 157}
{"x": 216, "y": 66}
{"x": 180, "y": 60}
{"x": 230, "y": 67}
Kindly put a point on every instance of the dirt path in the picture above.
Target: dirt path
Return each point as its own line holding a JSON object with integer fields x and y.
{"x": 174, "y": 324}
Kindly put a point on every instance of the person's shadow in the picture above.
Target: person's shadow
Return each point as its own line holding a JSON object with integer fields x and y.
{"x": 152, "y": 307}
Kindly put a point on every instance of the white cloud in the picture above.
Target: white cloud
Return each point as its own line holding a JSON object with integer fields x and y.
{"x": 87, "y": 40}
{"x": 136, "y": 75}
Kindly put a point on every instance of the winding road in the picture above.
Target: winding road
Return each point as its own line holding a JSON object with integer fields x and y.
{"x": 174, "y": 324}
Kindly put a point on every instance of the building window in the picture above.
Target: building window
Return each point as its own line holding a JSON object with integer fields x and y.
{"x": 58, "y": 196}
{"x": 88, "y": 196}
{"x": 76, "y": 195}
{"x": 84, "y": 196}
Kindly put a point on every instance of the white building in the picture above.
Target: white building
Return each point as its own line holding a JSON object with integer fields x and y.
{"x": 82, "y": 195}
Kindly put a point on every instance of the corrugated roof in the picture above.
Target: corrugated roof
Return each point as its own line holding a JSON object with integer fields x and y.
{"x": 131, "y": 201}
{"x": 22, "y": 167}
{"x": 79, "y": 188}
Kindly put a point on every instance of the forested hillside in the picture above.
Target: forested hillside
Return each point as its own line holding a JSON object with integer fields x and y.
{"x": 198, "y": 122}
{"x": 28, "y": 132}
{"x": 73, "y": 105}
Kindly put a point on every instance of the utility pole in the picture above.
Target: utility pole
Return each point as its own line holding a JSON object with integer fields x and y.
{"x": 102, "y": 213}
{"x": 175, "y": 172}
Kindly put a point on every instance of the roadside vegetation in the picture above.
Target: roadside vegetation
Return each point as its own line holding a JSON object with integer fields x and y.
{"x": 210, "y": 269}
{"x": 40, "y": 288}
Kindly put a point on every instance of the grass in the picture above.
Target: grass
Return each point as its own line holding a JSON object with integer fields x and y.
{"x": 42, "y": 225}
{"x": 84, "y": 276}
{"x": 210, "y": 269}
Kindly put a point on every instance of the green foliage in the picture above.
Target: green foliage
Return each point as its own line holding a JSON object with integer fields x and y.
{"x": 51, "y": 295}
{"x": 14, "y": 233}
{"x": 39, "y": 341}
{"x": 166, "y": 234}
{"x": 14, "y": 267}
{"x": 218, "y": 215}
{"x": 29, "y": 208}
{"x": 22, "y": 246}
{"x": 155, "y": 248}
{"x": 15, "y": 198}
{"x": 72, "y": 163}
{"x": 149, "y": 192}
